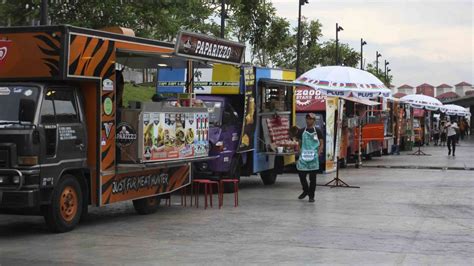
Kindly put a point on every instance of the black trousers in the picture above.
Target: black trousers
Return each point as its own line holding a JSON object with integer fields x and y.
{"x": 452, "y": 142}
{"x": 312, "y": 182}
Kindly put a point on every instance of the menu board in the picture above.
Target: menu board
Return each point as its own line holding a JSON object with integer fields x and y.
{"x": 168, "y": 135}
{"x": 278, "y": 129}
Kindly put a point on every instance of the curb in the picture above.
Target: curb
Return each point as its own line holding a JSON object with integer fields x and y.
{"x": 419, "y": 167}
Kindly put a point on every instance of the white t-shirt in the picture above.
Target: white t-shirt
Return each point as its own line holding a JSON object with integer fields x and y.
{"x": 452, "y": 128}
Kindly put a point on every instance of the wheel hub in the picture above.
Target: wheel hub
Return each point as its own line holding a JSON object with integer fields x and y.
{"x": 68, "y": 204}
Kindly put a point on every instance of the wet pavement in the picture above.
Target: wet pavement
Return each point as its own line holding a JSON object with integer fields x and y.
{"x": 397, "y": 217}
{"x": 437, "y": 158}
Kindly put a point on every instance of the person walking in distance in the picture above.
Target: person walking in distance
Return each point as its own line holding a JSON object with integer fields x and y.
{"x": 443, "y": 134}
{"x": 435, "y": 135}
{"x": 461, "y": 129}
{"x": 311, "y": 144}
{"x": 452, "y": 127}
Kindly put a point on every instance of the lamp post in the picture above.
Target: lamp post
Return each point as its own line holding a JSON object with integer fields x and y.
{"x": 44, "y": 12}
{"x": 223, "y": 17}
{"x": 362, "y": 43}
{"x": 298, "y": 41}
{"x": 377, "y": 55}
{"x": 386, "y": 64}
{"x": 386, "y": 74}
{"x": 338, "y": 29}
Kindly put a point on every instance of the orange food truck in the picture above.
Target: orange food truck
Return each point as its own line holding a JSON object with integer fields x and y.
{"x": 65, "y": 143}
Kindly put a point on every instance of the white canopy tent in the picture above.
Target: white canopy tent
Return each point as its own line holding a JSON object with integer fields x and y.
{"x": 344, "y": 81}
{"x": 452, "y": 109}
{"x": 421, "y": 101}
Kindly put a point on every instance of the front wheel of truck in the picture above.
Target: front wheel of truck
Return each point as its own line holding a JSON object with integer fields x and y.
{"x": 147, "y": 205}
{"x": 64, "y": 212}
{"x": 268, "y": 177}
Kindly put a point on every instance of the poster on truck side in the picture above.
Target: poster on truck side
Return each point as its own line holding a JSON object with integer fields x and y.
{"x": 331, "y": 106}
{"x": 168, "y": 135}
{"x": 140, "y": 184}
{"x": 201, "y": 143}
{"x": 248, "y": 125}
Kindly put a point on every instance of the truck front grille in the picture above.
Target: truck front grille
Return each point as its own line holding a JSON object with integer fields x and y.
{"x": 4, "y": 159}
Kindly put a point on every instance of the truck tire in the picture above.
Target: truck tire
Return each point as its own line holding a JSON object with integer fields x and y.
{"x": 65, "y": 210}
{"x": 268, "y": 177}
{"x": 147, "y": 205}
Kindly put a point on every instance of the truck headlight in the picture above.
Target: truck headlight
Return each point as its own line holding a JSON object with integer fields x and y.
{"x": 3, "y": 179}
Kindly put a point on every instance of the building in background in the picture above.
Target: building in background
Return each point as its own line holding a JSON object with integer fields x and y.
{"x": 406, "y": 89}
{"x": 443, "y": 88}
{"x": 447, "y": 96}
{"x": 399, "y": 95}
{"x": 462, "y": 88}
{"x": 426, "y": 89}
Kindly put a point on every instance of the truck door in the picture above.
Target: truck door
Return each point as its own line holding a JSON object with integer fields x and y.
{"x": 62, "y": 134}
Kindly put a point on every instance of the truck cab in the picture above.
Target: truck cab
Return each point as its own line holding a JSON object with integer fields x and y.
{"x": 42, "y": 138}
{"x": 225, "y": 125}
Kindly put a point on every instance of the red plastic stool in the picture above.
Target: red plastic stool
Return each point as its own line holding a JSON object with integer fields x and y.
{"x": 207, "y": 188}
{"x": 236, "y": 191}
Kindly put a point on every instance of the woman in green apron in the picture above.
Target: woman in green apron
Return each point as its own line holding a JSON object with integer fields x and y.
{"x": 308, "y": 162}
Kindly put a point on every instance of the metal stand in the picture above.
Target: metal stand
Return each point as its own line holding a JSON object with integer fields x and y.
{"x": 420, "y": 152}
{"x": 336, "y": 181}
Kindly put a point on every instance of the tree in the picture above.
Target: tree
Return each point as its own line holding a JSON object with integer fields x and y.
{"x": 313, "y": 53}
{"x": 158, "y": 19}
{"x": 19, "y": 12}
{"x": 250, "y": 21}
{"x": 380, "y": 75}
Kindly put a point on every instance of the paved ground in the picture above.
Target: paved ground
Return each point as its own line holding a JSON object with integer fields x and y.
{"x": 397, "y": 217}
{"x": 438, "y": 158}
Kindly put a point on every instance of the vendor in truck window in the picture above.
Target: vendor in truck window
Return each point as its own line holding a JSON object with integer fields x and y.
{"x": 18, "y": 105}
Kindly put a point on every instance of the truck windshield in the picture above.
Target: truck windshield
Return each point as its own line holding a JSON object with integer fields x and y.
{"x": 18, "y": 104}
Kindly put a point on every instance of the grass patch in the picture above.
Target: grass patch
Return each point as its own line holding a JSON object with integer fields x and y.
{"x": 137, "y": 93}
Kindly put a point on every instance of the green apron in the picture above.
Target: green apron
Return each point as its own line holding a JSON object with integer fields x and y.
{"x": 309, "y": 157}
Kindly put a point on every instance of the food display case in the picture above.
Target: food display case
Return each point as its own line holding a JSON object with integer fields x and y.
{"x": 162, "y": 133}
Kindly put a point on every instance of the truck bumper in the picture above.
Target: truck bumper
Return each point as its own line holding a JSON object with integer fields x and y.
{"x": 18, "y": 199}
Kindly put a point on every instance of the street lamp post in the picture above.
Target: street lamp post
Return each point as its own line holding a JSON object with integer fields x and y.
{"x": 362, "y": 43}
{"x": 44, "y": 12}
{"x": 298, "y": 41}
{"x": 223, "y": 17}
{"x": 377, "y": 55}
{"x": 386, "y": 74}
{"x": 386, "y": 64}
{"x": 338, "y": 29}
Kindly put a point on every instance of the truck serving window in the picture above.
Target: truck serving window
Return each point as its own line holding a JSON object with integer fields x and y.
{"x": 18, "y": 104}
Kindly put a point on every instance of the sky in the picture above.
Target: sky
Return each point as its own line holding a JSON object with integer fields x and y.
{"x": 423, "y": 40}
